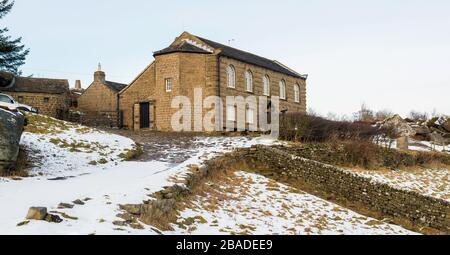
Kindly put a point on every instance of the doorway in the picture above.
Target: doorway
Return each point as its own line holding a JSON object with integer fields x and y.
{"x": 144, "y": 113}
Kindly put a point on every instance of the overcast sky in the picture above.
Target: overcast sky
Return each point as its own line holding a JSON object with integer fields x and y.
{"x": 388, "y": 54}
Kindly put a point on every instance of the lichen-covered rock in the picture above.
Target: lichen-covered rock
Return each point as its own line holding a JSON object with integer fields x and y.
{"x": 11, "y": 128}
{"x": 36, "y": 213}
{"x": 397, "y": 127}
{"x": 421, "y": 129}
{"x": 446, "y": 125}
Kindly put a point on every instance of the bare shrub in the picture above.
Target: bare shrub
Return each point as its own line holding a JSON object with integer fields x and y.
{"x": 306, "y": 128}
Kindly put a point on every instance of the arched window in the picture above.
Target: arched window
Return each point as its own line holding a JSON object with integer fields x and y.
{"x": 231, "y": 77}
{"x": 249, "y": 81}
{"x": 282, "y": 89}
{"x": 266, "y": 85}
{"x": 297, "y": 93}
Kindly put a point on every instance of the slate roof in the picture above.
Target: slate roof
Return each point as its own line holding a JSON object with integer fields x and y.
{"x": 115, "y": 86}
{"x": 34, "y": 85}
{"x": 183, "y": 47}
{"x": 250, "y": 58}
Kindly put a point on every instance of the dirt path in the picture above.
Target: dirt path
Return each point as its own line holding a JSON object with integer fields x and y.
{"x": 169, "y": 147}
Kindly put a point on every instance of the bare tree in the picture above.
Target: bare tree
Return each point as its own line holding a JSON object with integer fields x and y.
{"x": 418, "y": 116}
{"x": 364, "y": 114}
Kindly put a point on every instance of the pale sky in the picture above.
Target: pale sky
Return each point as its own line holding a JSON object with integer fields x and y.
{"x": 388, "y": 54}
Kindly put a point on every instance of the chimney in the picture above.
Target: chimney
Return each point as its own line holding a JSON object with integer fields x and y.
{"x": 78, "y": 85}
{"x": 99, "y": 75}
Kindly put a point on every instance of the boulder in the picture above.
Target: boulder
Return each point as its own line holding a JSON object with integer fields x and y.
{"x": 53, "y": 218}
{"x": 446, "y": 125}
{"x": 37, "y": 213}
{"x": 11, "y": 128}
{"x": 421, "y": 129}
{"x": 436, "y": 138}
{"x": 397, "y": 127}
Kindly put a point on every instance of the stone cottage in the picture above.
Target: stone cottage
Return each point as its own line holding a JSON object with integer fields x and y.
{"x": 192, "y": 62}
{"x": 49, "y": 96}
{"x": 100, "y": 99}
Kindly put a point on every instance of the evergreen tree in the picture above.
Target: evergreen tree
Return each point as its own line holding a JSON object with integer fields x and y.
{"x": 12, "y": 52}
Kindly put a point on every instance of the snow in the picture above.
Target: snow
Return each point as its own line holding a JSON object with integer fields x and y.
{"x": 63, "y": 174}
{"x": 253, "y": 204}
{"x": 107, "y": 186}
{"x": 428, "y": 182}
{"x": 427, "y": 146}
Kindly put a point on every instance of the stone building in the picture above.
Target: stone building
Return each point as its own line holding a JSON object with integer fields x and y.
{"x": 75, "y": 93}
{"x": 100, "y": 99}
{"x": 49, "y": 96}
{"x": 192, "y": 62}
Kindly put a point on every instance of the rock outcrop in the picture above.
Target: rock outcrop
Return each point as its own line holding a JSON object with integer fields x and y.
{"x": 435, "y": 130}
{"x": 397, "y": 127}
{"x": 11, "y": 128}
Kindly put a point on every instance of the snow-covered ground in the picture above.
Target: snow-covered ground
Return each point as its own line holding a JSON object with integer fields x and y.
{"x": 62, "y": 149}
{"x": 427, "y": 146}
{"x": 72, "y": 162}
{"x": 428, "y": 182}
{"x": 63, "y": 174}
{"x": 253, "y": 204}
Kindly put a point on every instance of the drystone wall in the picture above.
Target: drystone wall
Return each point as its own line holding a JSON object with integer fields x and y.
{"x": 420, "y": 210}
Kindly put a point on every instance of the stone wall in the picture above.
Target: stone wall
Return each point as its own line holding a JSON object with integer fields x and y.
{"x": 98, "y": 97}
{"x": 95, "y": 119}
{"x": 418, "y": 209}
{"x": 53, "y": 105}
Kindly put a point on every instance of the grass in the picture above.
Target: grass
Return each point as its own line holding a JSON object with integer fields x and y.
{"x": 132, "y": 154}
{"x": 367, "y": 155}
{"x": 41, "y": 124}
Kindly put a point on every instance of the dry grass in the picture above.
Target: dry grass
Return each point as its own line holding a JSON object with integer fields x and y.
{"x": 41, "y": 124}
{"x": 132, "y": 154}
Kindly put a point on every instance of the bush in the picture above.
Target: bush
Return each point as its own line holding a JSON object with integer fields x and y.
{"x": 365, "y": 154}
{"x": 306, "y": 128}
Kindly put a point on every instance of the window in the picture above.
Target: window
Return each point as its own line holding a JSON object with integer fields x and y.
{"x": 231, "y": 77}
{"x": 282, "y": 89}
{"x": 297, "y": 93}
{"x": 5, "y": 99}
{"x": 168, "y": 83}
{"x": 46, "y": 99}
{"x": 231, "y": 113}
{"x": 266, "y": 85}
{"x": 250, "y": 116}
{"x": 249, "y": 81}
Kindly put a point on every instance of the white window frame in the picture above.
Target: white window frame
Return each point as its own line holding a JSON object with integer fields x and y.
{"x": 266, "y": 85}
{"x": 231, "y": 113}
{"x": 168, "y": 84}
{"x": 249, "y": 81}
{"x": 231, "y": 77}
{"x": 297, "y": 93}
{"x": 283, "y": 90}
{"x": 250, "y": 116}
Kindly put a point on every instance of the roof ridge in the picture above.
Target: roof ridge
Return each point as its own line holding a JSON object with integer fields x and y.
{"x": 248, "y": 52}
{"x": 251, "y": 58}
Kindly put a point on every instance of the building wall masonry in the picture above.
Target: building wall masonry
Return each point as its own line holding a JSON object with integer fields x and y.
{"x": 53, "y": 105}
